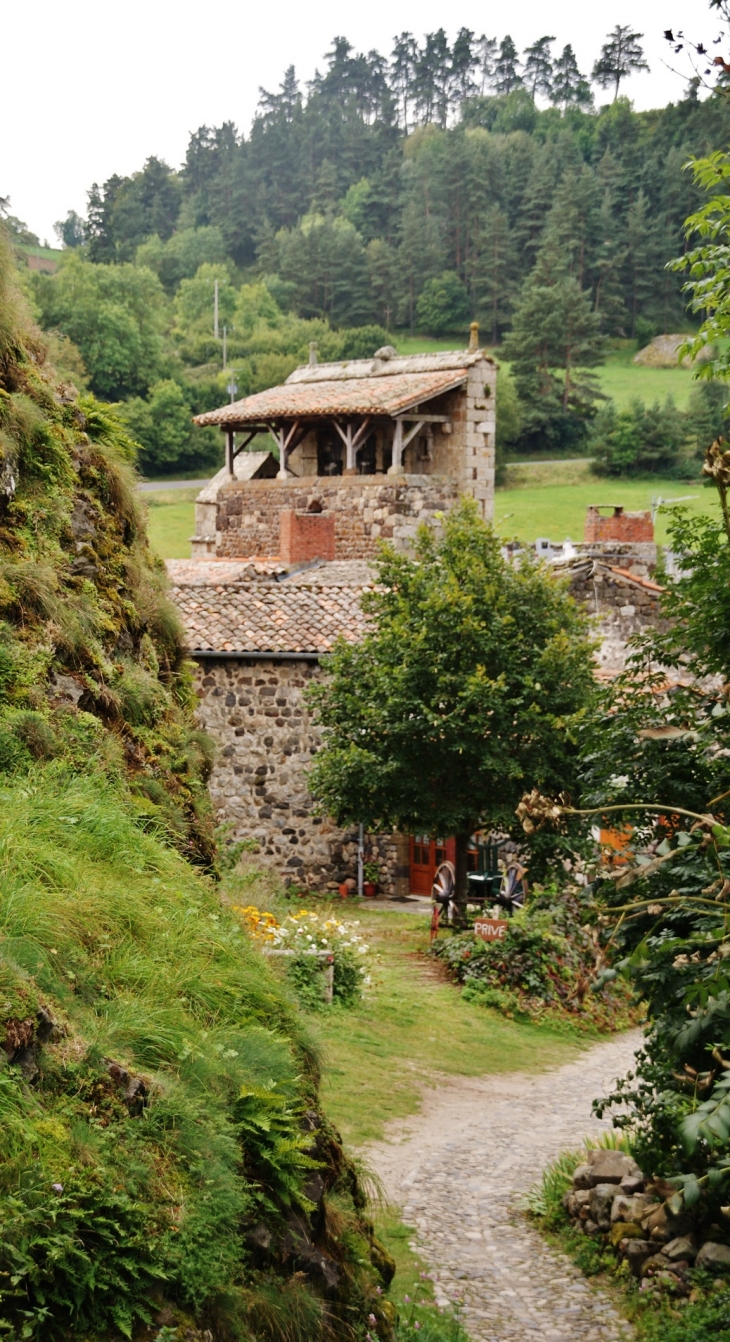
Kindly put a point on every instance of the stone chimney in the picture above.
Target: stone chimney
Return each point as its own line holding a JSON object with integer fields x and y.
{"x": 312, "y": 354}
{"x": 306, "y": 536}
{"x": 474, "y": 337}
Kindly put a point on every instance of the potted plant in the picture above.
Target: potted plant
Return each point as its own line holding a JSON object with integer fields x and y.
{"x": 371, "y": 872}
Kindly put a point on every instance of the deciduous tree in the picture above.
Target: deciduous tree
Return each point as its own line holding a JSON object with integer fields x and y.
{"x": 467, "y": 689}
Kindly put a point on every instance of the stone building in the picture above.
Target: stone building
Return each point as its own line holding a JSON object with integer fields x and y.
{"x": 257, "y": 632}
{"x": 375, "y": 445}
{"x": 366, "y": 451}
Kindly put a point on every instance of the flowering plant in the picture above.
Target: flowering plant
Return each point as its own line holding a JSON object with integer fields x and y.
{"x": 313, "y": 941}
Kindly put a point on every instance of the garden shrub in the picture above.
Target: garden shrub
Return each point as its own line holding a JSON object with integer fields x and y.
{"x": 544, "y": 968}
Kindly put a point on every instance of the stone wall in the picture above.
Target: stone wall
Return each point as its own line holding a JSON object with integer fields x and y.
{"x": 366, "y": 509}
{"x": 256, "y": 712}
{"x": 622, "y": 607}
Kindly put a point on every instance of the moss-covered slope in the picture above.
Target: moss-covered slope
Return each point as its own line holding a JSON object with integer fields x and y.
{"x": 91, "y": 656}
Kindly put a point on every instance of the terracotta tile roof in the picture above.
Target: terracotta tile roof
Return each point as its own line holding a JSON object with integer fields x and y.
{"x": 261, "y": 616}
{"x": 648, "y": 583}
{"x": 382, "y": 395}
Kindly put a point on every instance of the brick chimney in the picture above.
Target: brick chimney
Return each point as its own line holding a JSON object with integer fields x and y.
{"x": 305, "y": 536}
{"x": 620, "y": 526}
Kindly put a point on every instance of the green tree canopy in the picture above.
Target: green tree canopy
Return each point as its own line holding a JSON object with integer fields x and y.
{"x": 466, "y": 691}
{"x": 183, "y": 254}
{"x": 115, "y": 315}
{"x": 443, "y": 304}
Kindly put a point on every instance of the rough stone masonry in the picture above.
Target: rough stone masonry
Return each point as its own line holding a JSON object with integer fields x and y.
{"x": 259, "y": 782}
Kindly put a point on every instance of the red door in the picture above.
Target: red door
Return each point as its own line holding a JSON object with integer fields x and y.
{"x": 426, "y": 855}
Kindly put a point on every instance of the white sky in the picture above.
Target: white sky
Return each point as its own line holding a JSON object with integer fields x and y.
{"x": 92, "y": 88}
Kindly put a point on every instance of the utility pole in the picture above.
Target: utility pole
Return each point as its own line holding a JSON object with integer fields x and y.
{"x": 215, "y": 310}
{"x": 225, "y": 347}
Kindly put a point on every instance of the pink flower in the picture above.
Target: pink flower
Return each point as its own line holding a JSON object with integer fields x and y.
{"x": 57, "y": 1188}
{"x": 406, "y": 1300}
{"x": 378, "y": 1290}
{"x": 417, "y": 1326}
{"x": 372, "y": 1320}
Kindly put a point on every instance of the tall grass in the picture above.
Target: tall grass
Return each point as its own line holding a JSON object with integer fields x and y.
{"x": 103, "y": 1203}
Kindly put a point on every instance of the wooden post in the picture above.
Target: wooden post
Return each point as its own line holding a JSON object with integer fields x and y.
{"x": 230, "y": 437}
{"x": 284, "y": 442}
{"x": 396, "y": 467}
{"x": 351, "y": 439}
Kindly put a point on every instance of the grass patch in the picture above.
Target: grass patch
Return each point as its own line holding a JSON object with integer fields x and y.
{"x": 412, "y": 1029}
{"x": 171, "y": 521}
{"x": 168, "y": 1110}
{"x": 559, "y": 510}
{"x": 624, "y": 381}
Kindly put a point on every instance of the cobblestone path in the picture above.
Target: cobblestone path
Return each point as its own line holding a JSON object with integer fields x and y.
{"x": 458, "y": 1169}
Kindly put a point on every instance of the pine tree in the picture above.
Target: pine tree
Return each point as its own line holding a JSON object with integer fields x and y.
{"x": 569, "y": 87}
{"x": 538, "y": 70}
{"x": 464, "y": 62}
{"x": 487, "y": 55}
{"x": 403, "y": 62}
{"x": 506, "y": 67}
{"x": 609, "y": 302}
{"x": 644, "y": 258}
{"x": 495, "y": 274}
{"x": 532, "y": 207}
{"x": 572, "y": 224}
{"x": 432, "y": 79}
{"x": 554, "y": 327}
{"x": 620, "y": 54}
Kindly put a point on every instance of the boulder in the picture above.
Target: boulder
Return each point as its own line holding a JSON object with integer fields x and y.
{"x": 636, "y": 1252}
{"x": 610, "y": 1167}
{"x": 631, "y": 1184}
{"x": 661, "y": 352}
{"x": 582, "y": 1177}
{"x": 601, "y": 1202}
{"x": 683, "y": 1247}
{"x": 655, "y": 1263}
{"x": 714, "y": 1256}
{"x": 634, "y": 1208}
{"x": 661, "y": 1226}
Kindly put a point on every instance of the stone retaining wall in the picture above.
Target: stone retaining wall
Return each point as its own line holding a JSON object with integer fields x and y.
{"x": 623, "y": 609}
{"x": 257, "y": 714}
{"x": 366, "y": 509}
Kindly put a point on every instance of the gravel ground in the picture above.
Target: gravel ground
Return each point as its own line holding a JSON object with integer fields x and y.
{"x": 457, "y": 1171}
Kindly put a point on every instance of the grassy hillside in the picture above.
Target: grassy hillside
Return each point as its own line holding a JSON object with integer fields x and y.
{"x": 164, "y": 1163}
